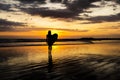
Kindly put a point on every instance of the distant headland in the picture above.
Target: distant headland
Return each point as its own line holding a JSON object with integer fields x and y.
{"x": 4, "y": 40}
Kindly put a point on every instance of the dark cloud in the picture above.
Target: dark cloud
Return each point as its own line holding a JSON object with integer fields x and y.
{"x": 52, "y": 13}
{"x": 6, "y": 25}
{"x": 4, "y": 22}
{"x": 118, "y": 1}
{"x": 32, "y": 1}
{"x": 9, "y": 7}
{"x": 72, "y": 8}
{"x": 100, "y": 19}
{"x": 91, "y": 22}
{"x": 5, "y": 7}
{"x": 111, "y": 18}
{"x": 80, "y": 4}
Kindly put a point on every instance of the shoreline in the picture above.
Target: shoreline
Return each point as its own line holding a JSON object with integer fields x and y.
{"x": 18, "y": 44}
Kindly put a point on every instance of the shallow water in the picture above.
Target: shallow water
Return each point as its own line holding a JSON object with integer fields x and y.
{"x": 25, "y": 61}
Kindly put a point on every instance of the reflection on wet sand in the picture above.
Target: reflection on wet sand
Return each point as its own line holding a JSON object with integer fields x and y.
{"x": 50, "y": 62}
{"x": 70, "y": 62}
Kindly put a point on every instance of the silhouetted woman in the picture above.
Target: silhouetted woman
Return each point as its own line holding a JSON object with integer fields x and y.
{"x": 51, "y": 39}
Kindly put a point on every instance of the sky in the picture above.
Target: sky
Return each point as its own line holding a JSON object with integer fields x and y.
{"x": 67, "y": 18}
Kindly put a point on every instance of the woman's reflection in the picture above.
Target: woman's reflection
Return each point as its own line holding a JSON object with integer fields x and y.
{"x": 50, "y": 62}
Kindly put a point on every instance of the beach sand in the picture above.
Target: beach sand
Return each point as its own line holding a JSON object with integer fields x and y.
{"x": 63, "y": 63}
{"x": 85, "y": 67}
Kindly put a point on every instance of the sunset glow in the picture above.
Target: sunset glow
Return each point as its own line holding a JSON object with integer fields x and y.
{"x": 18, "y": 21}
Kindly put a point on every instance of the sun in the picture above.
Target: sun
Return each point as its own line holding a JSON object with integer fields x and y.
{"x": 59, "y": 32}
{"x": 55, "y": 31}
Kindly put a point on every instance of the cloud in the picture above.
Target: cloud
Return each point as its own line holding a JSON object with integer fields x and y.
{"x": 31, "y": 1}
{"x": 5, "y": 7}
{"x": 70, "y": 9}
{"x": 112, "y": 18}
{"x": 110, "y": 27}
{"x": 63, "y": 29}
{"x": 91, "y": 22}
{"x": 51, "y": 13}
{"x": 9, "y": 6}
{"x": 108, "y": 11}
{"x": 57, "y": 8}
{"x": 60, "y": 9}
{"x": 100, "y": 19}
{"x": 6, "y": 25}
{"x": 118, "y": 1}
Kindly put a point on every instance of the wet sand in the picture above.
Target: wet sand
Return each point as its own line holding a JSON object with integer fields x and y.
{"x": 83, "y": 67}
{"x": 65, "y": 62}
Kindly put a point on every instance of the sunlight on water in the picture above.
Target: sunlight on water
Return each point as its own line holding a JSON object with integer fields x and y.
{"x": 36, "y": 54}
{"x": 78, "y": 50}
